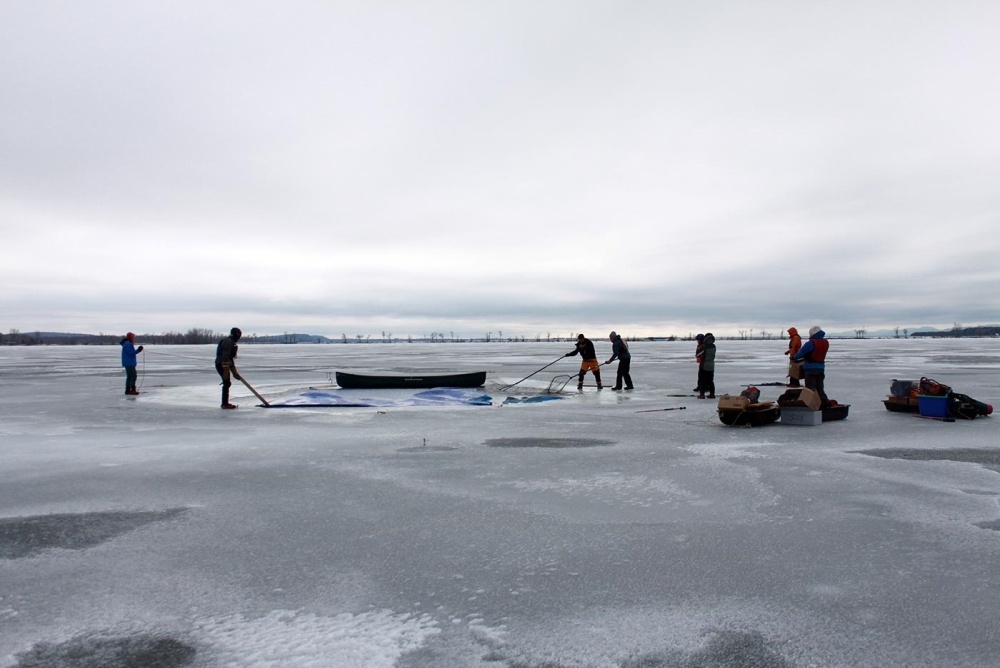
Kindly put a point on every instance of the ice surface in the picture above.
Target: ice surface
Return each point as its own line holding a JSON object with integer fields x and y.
{"x": 527, "y": 533}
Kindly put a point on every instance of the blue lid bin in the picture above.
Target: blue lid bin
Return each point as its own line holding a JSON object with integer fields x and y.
{"x": 929, "y": 406}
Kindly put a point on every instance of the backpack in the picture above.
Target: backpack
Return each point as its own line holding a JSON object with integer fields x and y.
{"x": 932, "y": 388}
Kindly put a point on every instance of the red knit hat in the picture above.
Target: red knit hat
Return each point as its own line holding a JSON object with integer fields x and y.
{"x": 130, "y": 336}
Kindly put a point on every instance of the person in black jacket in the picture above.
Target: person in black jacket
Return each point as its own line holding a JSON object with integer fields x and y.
{"x": 225, "y": 363}
{"x": 619, "y": 351}
{"x": 706, "y": 366}
{"x": 585, "y": 348}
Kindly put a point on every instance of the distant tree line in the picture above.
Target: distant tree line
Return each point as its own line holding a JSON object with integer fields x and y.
{"x": 197, "y": 335}
{"x": 958, "y": 331}
{"x": 193, "y": 336}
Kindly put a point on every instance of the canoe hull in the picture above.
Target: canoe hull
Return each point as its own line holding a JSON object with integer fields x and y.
{"x": 410, "y": 381}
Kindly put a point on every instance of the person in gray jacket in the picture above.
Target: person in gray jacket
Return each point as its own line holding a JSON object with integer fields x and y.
{"x": 619, "y": 351}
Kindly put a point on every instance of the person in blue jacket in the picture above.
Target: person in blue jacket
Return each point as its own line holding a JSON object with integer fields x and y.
{"x": 813, "y": 352}
{"x": 129, "y": 352}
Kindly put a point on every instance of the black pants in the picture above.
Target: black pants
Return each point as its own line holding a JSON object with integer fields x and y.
{"x": 223, "y": 370}
{"x": 624, "y": 366}
{"x": 706, "y": 381}
{"x": 815, "y": 378}
{"x": 130, "y": 378}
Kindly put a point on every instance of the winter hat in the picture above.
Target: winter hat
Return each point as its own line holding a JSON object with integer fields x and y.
{"x": 700, "y": 337}
{"x": 580, "y": 337}
{"x": 130, "y": 336}
{"x": 235, "y": 332}
{"x": 815, "y": 329}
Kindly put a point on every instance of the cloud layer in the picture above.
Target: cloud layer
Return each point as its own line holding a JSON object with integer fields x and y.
{"x": 650, "y": 167}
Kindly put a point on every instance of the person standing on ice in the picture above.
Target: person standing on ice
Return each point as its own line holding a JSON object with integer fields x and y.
{"x": 697, "y": 346}
{"x": 814, "y": 352}
{"x": 129, "y": 352}
{"x": 619, "y": 351}
{"x": 585, "y": 348}
{"x": 794, "y": 343}
{"x": 705, "y": 355}
{"x": 225, "y": 363}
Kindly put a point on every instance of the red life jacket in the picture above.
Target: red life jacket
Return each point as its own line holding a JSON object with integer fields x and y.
{"x": 818, "y": 353}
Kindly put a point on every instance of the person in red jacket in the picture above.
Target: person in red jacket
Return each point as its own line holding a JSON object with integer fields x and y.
{"x": 794, "y": 343}
{"x": 814, "y": 353}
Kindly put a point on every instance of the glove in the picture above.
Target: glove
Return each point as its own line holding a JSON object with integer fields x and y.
{"x": 139, "y": 349}
{"x": 237, "y": 376}
{"x": 568, "y": 355}
{"x": 608, "y": 362}
{"x": 788, "y": 352}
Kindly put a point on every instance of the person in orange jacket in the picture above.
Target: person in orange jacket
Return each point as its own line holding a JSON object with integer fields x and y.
{"x": 794, "y": 343}
{"x": 585, "y": 349}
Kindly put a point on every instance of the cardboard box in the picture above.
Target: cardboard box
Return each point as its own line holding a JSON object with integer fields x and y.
{"x": 801, "y": 416}
{"x": 800, "y": 397}
{"x": 733, "y": 402}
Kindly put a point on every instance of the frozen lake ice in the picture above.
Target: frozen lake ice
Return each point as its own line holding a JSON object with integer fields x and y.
{"x": 160, "y": 530}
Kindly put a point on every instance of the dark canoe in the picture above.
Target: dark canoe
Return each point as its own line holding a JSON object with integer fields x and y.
{"x": 753, "y": 417}
{"x": 410, "y": 381}
{"x": 838, "y": 412}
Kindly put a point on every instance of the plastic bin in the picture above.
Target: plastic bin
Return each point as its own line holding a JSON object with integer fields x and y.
{"x": 930, "y": 406}
{"x": 801, "y": 416}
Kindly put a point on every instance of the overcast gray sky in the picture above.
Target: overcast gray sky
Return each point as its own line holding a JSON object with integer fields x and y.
{"x": 532, "y": 167}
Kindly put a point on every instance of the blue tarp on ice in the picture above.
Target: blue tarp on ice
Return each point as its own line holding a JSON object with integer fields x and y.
{"x": 340, "y": 398}
{"x": 530, "y": 400}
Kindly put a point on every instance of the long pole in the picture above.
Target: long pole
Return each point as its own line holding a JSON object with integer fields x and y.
{"x": 507, "y": 387}
{"x": 255, "y": 392}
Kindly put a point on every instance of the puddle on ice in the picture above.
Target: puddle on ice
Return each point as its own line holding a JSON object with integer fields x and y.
{"x": 988, "y": 458}
{"x": 547, "y": 442}
{"x": 428, "y": 448}
{"x": 26, "y": 536}
{"x": 109, "y": 651}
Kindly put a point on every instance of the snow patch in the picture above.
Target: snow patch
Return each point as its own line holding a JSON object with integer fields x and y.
{"x": 306, "y": 640}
